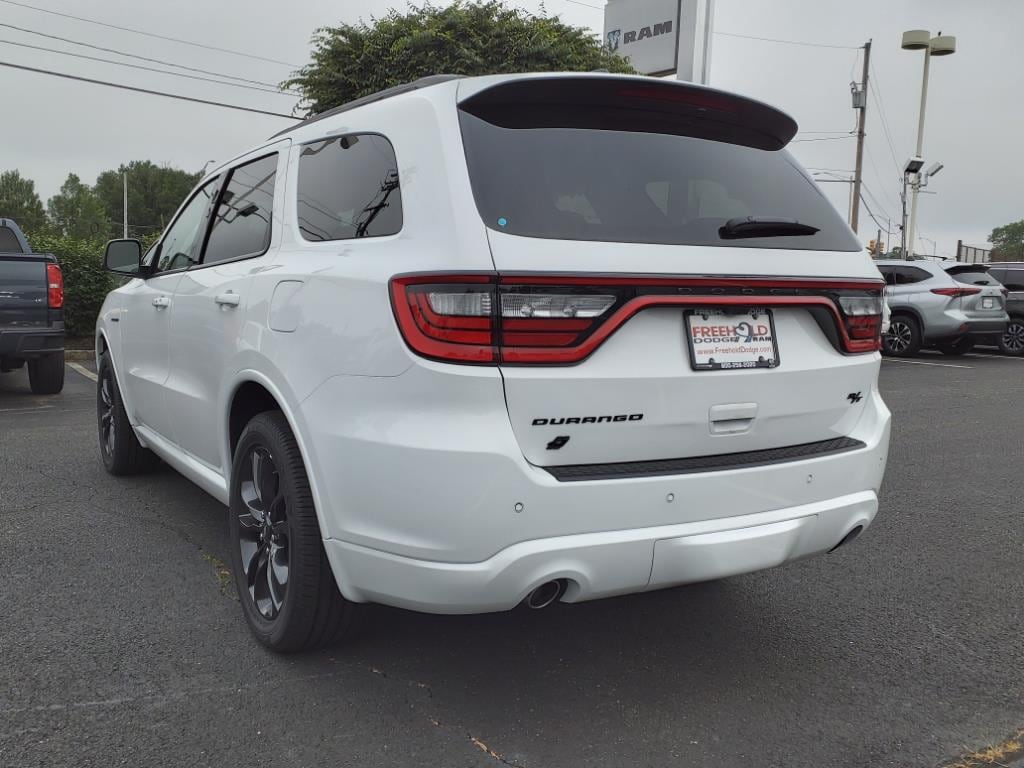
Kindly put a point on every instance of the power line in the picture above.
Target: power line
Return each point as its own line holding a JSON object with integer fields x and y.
{"x": 136, "y": 56}
{"x": 139, "y": 66}
{"x": 787, "y": 42}
{"x": 885, "y": 122}
{"x": 146, "y": 90}
{"x": 150, "y": 34}
{"x": 574, "y": 2}
{"x": 872, "y": 215}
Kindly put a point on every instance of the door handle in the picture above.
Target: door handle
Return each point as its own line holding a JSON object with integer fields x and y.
{"x": 229, "y": 299}
{"x": 732, "y": 418}
{"x": 161, "y": 302}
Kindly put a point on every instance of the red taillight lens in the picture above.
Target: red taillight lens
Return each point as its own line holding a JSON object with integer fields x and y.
{"x": 558, "y": 320}
{"x": 862, "y": 318}
{"x": 54, "y": 287}
{"x": 447, "y": 317}
{"x": 955, "y": 292}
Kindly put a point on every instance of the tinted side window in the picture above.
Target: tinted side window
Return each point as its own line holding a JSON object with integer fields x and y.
{"x": 889, "y": 273}
{"x": 908, "y": 275}
{"x": 1013, "y": 280}
{"x": 8, "y": 241}
{"x": 241, "y": 226}
{"x": 181, "y": 243}
{"x": 348, "y": 187}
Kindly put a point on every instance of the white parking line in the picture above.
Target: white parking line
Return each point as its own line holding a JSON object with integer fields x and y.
{"x": 998, "y": 357}
{"x": 33, "y": 408}
{"x": 83, "y": 370}
{"x": 922, "y": 362}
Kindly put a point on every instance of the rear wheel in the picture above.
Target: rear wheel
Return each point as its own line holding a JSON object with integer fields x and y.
{"x": 285, "y": 583}
{"x": 120, "y": 448}
{"x": 959, "y": 347}
{"x": 1012, "y": 342}
{"x": 46, "y": 374}
{"x": 903, "y": 338}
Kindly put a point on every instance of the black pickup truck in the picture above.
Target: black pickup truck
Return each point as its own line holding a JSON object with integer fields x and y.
{"x": 31, "y": 311}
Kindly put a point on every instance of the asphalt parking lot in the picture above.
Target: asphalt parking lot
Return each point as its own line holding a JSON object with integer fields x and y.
{"x": 122, "y": 643}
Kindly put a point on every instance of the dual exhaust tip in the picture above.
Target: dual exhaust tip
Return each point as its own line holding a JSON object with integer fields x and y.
{"x": 546, "y": 594}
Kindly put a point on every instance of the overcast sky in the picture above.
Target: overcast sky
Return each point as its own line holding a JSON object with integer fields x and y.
{"x": 50, "y": 127}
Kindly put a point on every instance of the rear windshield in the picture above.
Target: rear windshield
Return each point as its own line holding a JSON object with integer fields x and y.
{"x": 974, "y": 278}
{"x": 630, "y": 186}
{"x": 9, "y": 242}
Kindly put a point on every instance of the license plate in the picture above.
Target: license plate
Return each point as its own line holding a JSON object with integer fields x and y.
{"x": 988, "y": 303}
{"x": 720, "y": 340}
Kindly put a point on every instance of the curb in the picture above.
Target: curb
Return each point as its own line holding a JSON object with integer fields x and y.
{"x": 80, "y": 355}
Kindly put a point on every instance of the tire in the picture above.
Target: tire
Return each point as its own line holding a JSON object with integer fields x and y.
{"x": 903, "y": 338}
{"x": 46, "y": 374}
{"x": 119, "y": 447}
{"x": 281, "y": 538}
{"x": 1012, "y": 342}
{"x": 961, "y": 346}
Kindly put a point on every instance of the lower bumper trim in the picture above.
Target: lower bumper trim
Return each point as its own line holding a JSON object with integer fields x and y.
{"x": 717, "y": 463}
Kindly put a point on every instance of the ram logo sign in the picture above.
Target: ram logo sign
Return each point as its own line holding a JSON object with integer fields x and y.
{"x": 617, "y": 36}
{"x": 660, "y": 37}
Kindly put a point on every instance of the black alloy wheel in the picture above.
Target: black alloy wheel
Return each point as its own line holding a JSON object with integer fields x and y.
{"x": 286, "y": 585}
{"x": 263, "y": 532}
{"x": 105, "y": 405}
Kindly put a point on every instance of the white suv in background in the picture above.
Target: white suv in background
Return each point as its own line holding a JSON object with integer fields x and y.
{"x": 470, "y": 343}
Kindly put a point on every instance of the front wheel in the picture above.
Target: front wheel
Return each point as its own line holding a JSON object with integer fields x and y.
{"x": 285, "y": 584}
{"x": 1012, "y": 342}
{"x": 903, "y": 338}
{"x": 120, "y": 449}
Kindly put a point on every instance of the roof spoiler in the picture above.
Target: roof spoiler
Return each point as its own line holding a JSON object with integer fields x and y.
{"x": 632, "y": 104}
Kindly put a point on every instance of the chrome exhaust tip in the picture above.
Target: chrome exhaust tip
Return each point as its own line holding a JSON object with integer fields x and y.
{"x": 545, "y": 594}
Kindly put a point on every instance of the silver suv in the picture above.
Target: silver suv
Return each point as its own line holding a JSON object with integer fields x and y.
{"x": 947, "y": 306}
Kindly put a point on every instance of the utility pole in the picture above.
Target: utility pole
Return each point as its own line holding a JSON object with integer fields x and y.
{"x": 124, "y": 178}
{"x": 903, "y": 220}
{"x": 861, "y": 103}
{"x": 878, "y": 247}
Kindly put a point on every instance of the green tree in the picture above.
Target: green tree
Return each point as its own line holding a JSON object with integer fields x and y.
{"x": 1008, "y": 241}
{"x": 154, "y": 194}
{"x": 19, "y": 201}
{"x": 76, "y": 211}
{"x": 465, "y": 38}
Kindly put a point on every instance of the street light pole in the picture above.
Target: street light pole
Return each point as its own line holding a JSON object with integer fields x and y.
{"x": 124, "y": 179}
{"x": 940, "y": 45}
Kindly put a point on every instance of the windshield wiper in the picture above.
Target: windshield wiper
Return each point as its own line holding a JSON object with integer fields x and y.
{"x": 763, "y": 226}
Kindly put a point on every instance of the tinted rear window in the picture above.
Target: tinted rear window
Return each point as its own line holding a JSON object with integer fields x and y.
{"x": 631, "y": 186}
{"x": 9, "y": 242}
{"x": 974, "y": 278}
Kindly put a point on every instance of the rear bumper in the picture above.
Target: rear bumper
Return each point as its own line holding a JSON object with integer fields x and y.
{"x": 30, "y": 342}
{"x": 956, "y": 324}
{"x": 987, "y": 327}
{"x": 603, "y": 564}
{"x": 436, "y": 509}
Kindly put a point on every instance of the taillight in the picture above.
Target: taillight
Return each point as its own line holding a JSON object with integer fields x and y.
{"x": 955, "y": 292}
{"x": 54, "y": 287}
{"x": 862, "y": 317}
{"x": 557, "y": 320}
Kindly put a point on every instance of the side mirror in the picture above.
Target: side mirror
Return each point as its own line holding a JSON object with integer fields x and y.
{"x": 123, "y": 257}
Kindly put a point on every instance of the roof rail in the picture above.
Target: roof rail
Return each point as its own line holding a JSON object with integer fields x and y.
{"x": 387, "y": 93}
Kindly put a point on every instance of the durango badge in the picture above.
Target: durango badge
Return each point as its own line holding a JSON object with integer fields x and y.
{"x": 587, "y": 420}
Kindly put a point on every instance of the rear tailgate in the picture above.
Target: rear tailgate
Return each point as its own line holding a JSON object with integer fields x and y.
{"x": 616, "y": 214}
{"x": 986, "y": 300}
{"x": 637, "y": 397}
{"x": 23, "y": 291}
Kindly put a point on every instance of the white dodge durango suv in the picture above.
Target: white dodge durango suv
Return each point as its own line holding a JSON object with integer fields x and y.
{"x": 476, "y": 342}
